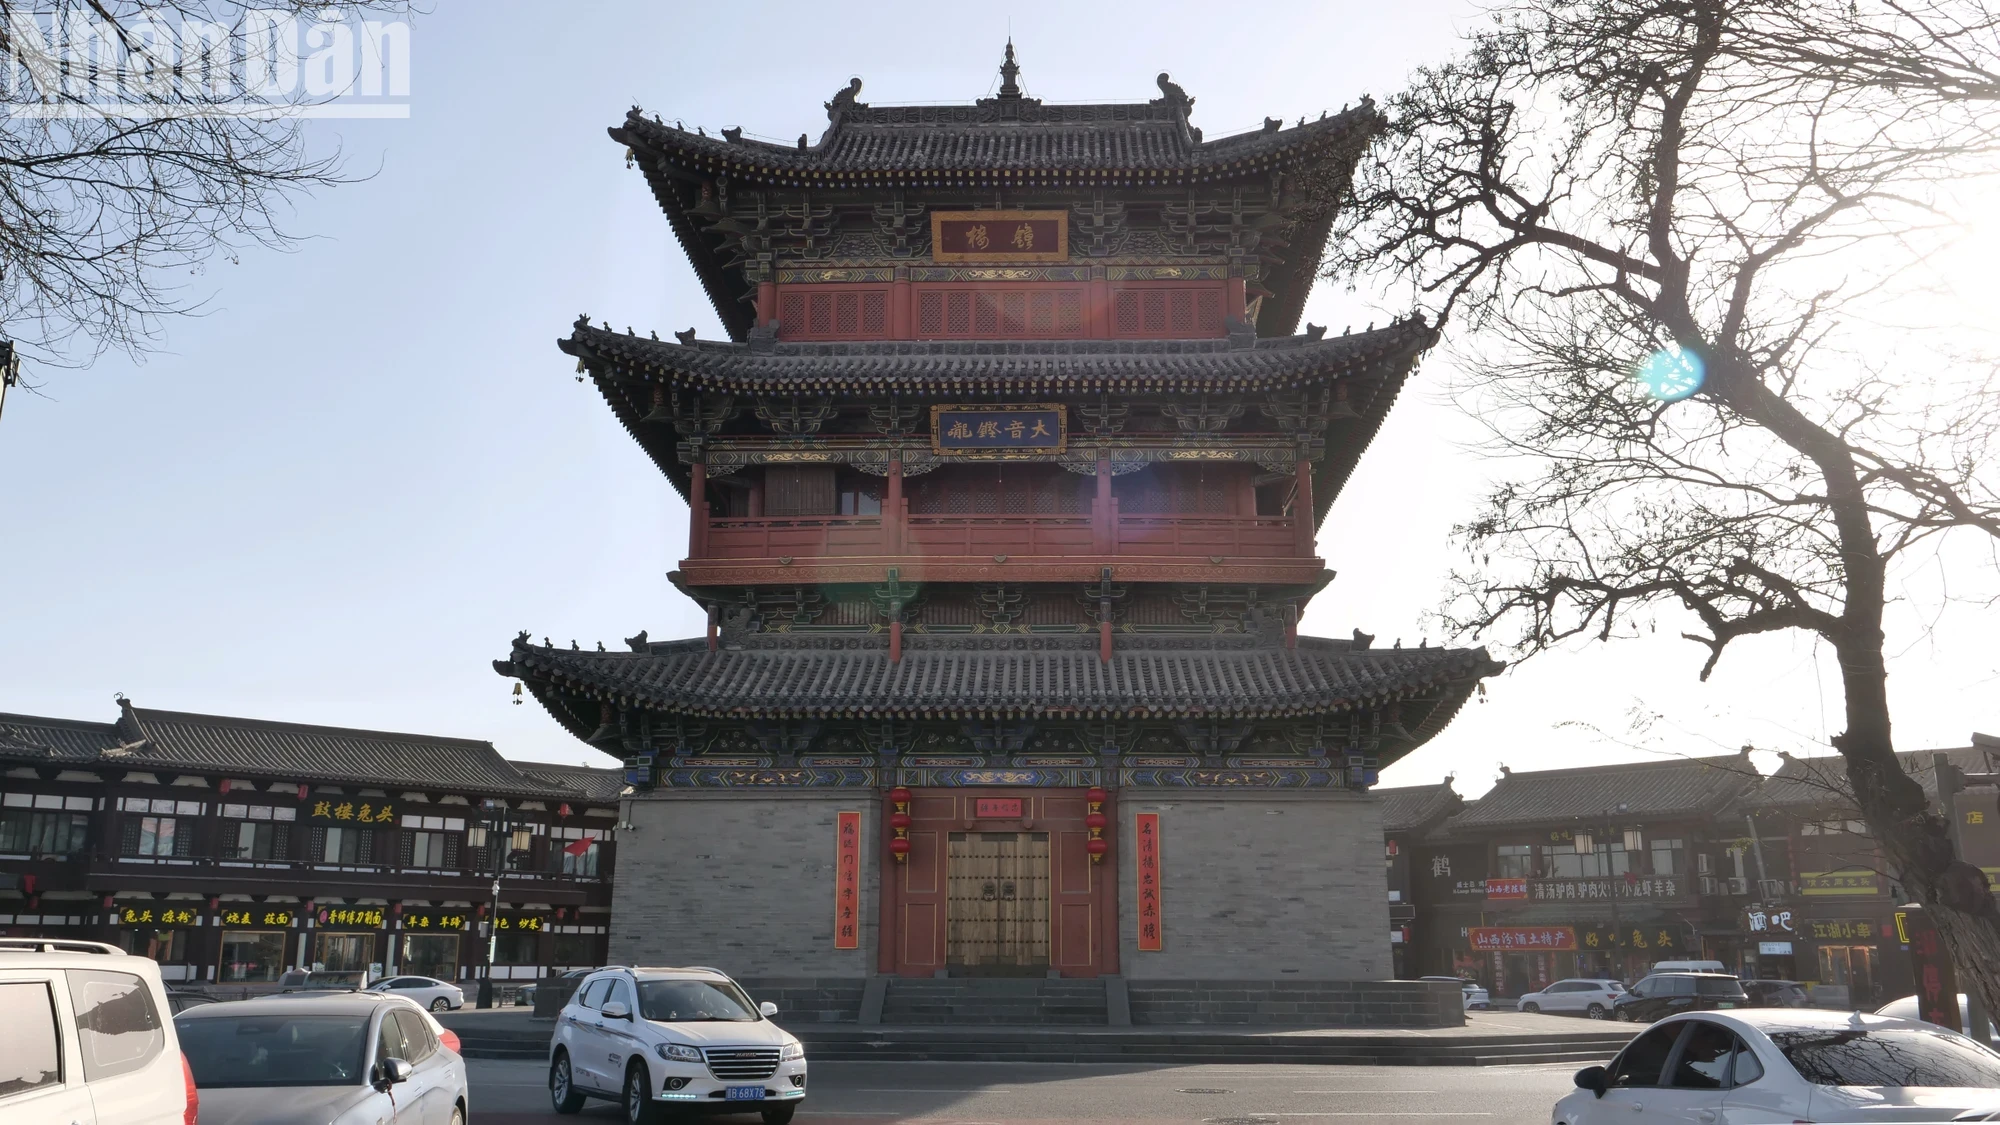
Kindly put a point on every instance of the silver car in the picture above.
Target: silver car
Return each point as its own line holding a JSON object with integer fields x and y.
{"x": 352, "y": 1058}
{"x": 425, "y": 992}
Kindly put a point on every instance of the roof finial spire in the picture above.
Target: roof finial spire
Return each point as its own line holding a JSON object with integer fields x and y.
{"x": 1009, "y": 70}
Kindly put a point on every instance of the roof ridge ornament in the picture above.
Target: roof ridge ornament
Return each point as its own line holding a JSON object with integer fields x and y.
{"x": 1009, "y": 71}
{"x": 844, "y": 100}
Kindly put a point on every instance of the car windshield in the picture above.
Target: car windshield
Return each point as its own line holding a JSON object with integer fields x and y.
{"x": 685, "y": 1001}
{"x": 1718, "y": 986}
{"x": 1888, "y": 1057}
{"x": 274, "y": 1050}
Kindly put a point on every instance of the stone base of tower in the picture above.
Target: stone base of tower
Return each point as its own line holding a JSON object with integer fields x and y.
{"x": 1271, "y": 906}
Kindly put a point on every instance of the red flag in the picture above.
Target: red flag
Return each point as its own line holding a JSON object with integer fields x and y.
{"x": 578, "y": 847}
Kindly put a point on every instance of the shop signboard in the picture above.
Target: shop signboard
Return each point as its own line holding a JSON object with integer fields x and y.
{"x": 1937, "y": 982}
{"x": 1532, "y": 939}
{"x": 514, "y": 922}
{"x": 1774, "y": 949}
{"x": 1843, "y": 929}
{"x": 1507, "y": 888}
{"x": 1820, "y": 884}
{"x": 347, "y": 810}
{"x": 434, "y": 920}
{"x": 158, "y": 915}
{"x": 1775, "y": 922}
{"x": 349, "y": 917}
{"x": 1651, "y": 937}
{"x": 1147, "y": 856}
{"x": 258, "y": 916}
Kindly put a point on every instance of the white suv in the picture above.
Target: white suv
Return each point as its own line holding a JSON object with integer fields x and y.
{"x": 85, "y": 1038}
{"x": 654, "y": 1038}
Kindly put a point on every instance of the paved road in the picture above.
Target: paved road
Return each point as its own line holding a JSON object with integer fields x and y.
{"x": 861, "y": 1093}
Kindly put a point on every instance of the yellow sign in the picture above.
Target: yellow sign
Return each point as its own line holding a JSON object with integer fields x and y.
{"x": 1828, "y": 883}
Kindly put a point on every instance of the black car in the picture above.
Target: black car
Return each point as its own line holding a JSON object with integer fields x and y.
{"x": 1777, "y": 994}
{"x": 1664, "y": 994}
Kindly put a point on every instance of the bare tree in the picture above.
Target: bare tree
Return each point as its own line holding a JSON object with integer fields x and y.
{"x": 139, "y": 139}
{"x": 1711, "y": 201}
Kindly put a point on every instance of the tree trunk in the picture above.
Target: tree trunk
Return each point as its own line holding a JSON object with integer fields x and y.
{"x": 1915, "y": 839}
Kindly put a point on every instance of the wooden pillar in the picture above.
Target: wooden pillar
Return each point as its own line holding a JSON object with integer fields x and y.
{"x": 1104, "y": 632}
{"x": 767, "y": 302}
{"x": 756, "y": 500}
{"x": 896, "y": 638}
{"x": 902, "y": 311}
{"x": 1302, "y": 511}
{"x": 1104, "y": 529}
{"x": 1099, "y": 301}
{"x": 697, "y": 510}
{"x": 892, "y": 506}
{"x": 712, "y": 614}
{"x": 1235, "y": 299}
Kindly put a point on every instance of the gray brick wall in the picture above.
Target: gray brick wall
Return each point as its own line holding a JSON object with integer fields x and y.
{"x": 740, "y": 881}
{"x": 1259, "y": 886}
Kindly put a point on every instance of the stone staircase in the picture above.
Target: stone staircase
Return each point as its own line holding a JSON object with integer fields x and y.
{"x": 985, "y": 1001}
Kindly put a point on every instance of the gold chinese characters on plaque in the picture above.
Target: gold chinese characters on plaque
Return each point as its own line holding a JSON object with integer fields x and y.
{"x": 1000, "y": 236}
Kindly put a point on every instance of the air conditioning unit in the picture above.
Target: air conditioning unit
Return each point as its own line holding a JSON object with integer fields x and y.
{"x": 1771, "y": 890}
{"x": 1704, "y": 864}
{"x": 1739, "y": 886}
{"x": 1710, "y": 886}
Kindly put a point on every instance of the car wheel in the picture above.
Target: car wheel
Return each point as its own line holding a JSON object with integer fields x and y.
{"x": 1595, "y": 1011}
{"x": 457, "y": 1115}
{"x": 1531, "y": 1006}
{"x": 639, "y": 1106}
{"x": 440, "y": 1005}
{"x": 1624, "y": 1015}
{"x": 779, "y": 1114}
{"x": 562, "y": 1090}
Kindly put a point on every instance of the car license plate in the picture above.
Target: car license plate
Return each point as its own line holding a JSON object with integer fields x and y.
{"x": 1727, "y": 1004}
{"x": 745, "y": 1094}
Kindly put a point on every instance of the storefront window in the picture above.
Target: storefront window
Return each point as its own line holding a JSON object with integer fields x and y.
{"x": 584, "y": 863}
{"x": 581, "y": 949}
{"x": 43, "y": 833}
{"x": 517, "y": 949}
{"x": 252, "y": 955}
{"x": 1515, "y": 861}
{"x": 1850, "y": 969}
{"x": 165, "y": 946}
{"x": 343, "y": 845}
{"x": 1607, "y": 858}
{"x": 254, "y": 840}
{"x": 343, "y": 952}
{"x": 431, "y": 955}
{"x": 156, "y": 835}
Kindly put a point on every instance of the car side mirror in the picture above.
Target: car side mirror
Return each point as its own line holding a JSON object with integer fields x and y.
{"x": 616, "y": 1011}
{"x": 767, "y": 1009}
{"x": 1593, "y": 1078}
{"x": 389, "y": 1072}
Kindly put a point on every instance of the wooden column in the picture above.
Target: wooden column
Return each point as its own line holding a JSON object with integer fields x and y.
{"x": 1099, "y": 300}
{"x": 1302, "y": 511}
{"x": 697, "y": 510}
{"x": 1103, "y": 526}
{"x": 1235, "y": 299}
{"x": 892, "y": 506}
{"x": 902, "y": 311}
{"x": 712, "y": 614}
{"x": 755, "y": 501}
{"x": 767, "y": 302}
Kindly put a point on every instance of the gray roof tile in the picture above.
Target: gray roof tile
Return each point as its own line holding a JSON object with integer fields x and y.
{"x": 1677, "y": 788}
{"x": 1821, "y": 781}
{"x": 1414, "y": 808}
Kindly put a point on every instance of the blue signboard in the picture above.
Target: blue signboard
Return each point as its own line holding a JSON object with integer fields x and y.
{"x": 998, "y": 430}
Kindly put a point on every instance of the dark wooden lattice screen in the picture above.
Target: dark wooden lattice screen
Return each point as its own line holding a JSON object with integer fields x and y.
{"x": 804, "y": 490}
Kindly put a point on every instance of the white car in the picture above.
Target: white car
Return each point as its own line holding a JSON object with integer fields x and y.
{"x": 1474, "y": 994}
{"x": 1907, "y": 1009}
{"x": 323, "y": 1058}
{"x": 1769, "y": 1066}
{"x": 1588, "y": 996}
{"x": 425, "y": 992}
{"x": 652, "y": 1039}
{"x": 85, "y": 1038}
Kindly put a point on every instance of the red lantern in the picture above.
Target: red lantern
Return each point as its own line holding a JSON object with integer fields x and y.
{"x": 1096, "y": 847}
{"x": 900, "y": 795}
{"x": 1096, "y": 820}
{"x": 899, "y": 821}
{"x": 899, "y": 847}
{"x": 1095, "y": 796}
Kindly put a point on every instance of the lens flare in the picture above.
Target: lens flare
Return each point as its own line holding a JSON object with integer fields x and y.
{"x": 1671, "y": 374}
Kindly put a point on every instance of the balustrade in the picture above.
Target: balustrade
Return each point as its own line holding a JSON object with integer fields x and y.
{"x": 971, "y": 535}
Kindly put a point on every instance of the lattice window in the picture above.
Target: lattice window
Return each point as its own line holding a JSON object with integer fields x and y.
{"x": 930, "y": 314}
{"x": 1000, "y": 314}
{"x": 838, "y": 312}
{"x": 1181, "y": 312}
{"x": 875, "y": 313}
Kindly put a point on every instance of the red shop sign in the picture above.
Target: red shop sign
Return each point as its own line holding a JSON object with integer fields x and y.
{"x": 997, "y": 808}
{"x": 1506, "y": 888}
{"x": 847, "y": 882}
{"x": 1147, "y": 838}
{"x": 1525, "y": 938}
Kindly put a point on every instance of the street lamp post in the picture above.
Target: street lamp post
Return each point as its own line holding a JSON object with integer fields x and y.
{"x": 499, "y": 829}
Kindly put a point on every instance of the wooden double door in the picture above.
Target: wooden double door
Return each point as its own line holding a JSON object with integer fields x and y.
{"x": 998, "y": 882}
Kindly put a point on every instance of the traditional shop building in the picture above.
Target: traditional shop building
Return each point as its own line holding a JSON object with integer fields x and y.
{"x": 1808, "y": 885}
{"x": 1409, "y": 815}
{"x": 1595, "y": 872}
{"x": 1004, "y": 492}
{"x": 233, "y": 850}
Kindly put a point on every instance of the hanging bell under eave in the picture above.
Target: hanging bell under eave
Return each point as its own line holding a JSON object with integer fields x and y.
{"x": 517, "y": 693}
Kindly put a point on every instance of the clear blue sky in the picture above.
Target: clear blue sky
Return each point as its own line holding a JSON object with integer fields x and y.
{"x": 337, "y": 496}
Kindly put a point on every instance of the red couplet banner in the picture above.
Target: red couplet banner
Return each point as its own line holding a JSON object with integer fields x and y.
{"x": 847, "y": 882}
{"x": 1148, "y": 852}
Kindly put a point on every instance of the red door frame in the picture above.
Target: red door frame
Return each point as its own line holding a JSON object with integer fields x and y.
{"x": 1083, "y": 904}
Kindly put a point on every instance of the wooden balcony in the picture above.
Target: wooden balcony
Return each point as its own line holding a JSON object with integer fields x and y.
{"x": 999, "y": 548}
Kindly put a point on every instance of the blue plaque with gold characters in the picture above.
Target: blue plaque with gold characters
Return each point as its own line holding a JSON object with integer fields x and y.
{"x": 997, "y": 431}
